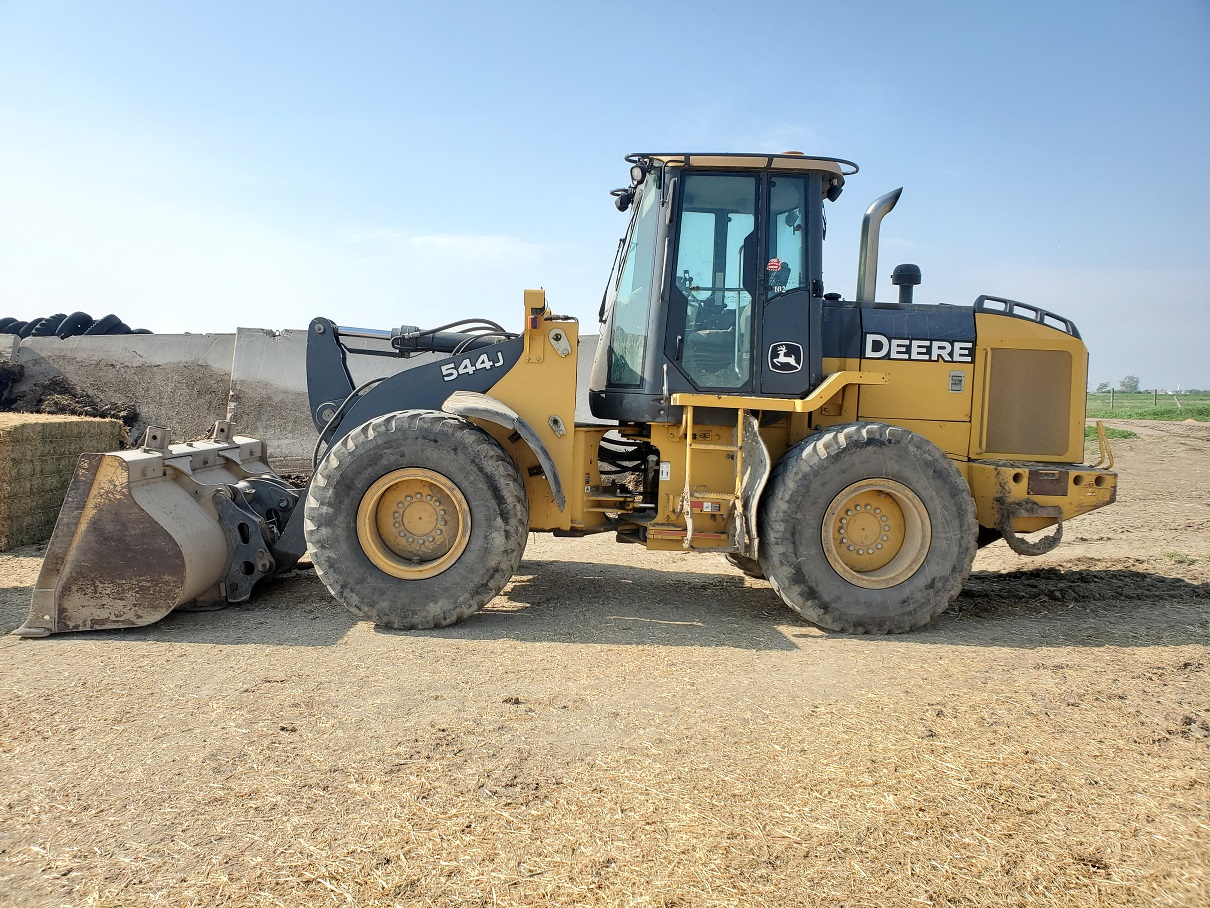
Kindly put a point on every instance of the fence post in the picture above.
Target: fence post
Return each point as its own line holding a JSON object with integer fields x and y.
{"x": 1155, "y": 397}
{"x": 1111, "y": 398}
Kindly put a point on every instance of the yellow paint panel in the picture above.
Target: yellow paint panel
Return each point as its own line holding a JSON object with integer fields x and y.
{"x": 540, "y": 386}
{"x": 585, "y": 474}
{"x": 918, "y": 390}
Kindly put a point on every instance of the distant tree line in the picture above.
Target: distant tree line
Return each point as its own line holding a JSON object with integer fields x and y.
{"x": 1130, "y": 385}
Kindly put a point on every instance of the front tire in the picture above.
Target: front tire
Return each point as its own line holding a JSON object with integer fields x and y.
{"x": 416, "y": 519}
{"x": 867, "y": 528}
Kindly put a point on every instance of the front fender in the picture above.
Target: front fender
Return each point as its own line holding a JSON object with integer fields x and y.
{"x": 473, "y": 405}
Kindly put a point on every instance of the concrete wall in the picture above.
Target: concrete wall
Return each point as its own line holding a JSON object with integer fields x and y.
{"x": 176, "y": 380}
{"x": 255, "y": 377}
{"x": 269, "y": 391}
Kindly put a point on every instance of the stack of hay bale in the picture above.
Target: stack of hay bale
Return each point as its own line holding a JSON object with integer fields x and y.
{"x": 38, "y": 455}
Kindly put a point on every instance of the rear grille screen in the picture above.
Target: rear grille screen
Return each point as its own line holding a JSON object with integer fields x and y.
{"x": 1029, "y": 402}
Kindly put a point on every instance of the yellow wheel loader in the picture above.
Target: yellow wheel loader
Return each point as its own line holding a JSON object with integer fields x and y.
{"x": 853, "y": 452}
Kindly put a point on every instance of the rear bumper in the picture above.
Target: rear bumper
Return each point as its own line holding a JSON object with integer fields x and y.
{"x": 1062, "y": 490}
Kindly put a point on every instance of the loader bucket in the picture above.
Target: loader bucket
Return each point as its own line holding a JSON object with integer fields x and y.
{"x": 143, "y": 532}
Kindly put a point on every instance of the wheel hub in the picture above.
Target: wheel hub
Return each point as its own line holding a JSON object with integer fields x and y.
{"x": 413, "y": 523}
{"x": 876, "y": 533}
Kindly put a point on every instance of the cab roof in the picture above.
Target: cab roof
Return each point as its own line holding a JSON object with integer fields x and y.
{"x": 786, "y": 160}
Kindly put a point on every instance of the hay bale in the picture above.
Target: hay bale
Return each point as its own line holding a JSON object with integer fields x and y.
{"x": 38, "y": 455}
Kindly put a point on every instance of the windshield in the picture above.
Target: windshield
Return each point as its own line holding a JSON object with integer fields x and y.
{"x": 633, "y": 291}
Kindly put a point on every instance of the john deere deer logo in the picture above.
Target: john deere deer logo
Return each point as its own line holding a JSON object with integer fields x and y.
{"x": 785, "y": 356}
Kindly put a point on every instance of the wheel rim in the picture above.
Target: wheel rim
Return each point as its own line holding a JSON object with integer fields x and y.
{"x": 413, "y": 523}
{"x": 876, "y": 533}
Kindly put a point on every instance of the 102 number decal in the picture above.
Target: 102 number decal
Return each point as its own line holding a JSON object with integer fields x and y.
{"x": 449, "y": 371}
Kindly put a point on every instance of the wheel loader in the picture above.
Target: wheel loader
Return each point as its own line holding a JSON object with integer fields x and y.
{"x": 854, "y": 452}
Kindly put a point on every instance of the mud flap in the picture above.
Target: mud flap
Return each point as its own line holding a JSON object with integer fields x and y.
{"x": 757, "y": 465}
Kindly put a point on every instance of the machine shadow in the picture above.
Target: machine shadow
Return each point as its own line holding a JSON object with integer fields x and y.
{"x": 14, "y": 607}
{"x": 566, "y": 602}
{"x": 626, "y": 605}
{"x": 631, "y": 605}
{"x": 1053, "y": 607}
{"x": 293, "y": 610}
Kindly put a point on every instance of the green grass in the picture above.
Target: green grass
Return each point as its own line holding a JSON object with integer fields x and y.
{"x": 1145, "y": 405}
{"x": 1180, "y": 558}
{"x": 1092, "y": 445}
{"x": 1110, "y": 432}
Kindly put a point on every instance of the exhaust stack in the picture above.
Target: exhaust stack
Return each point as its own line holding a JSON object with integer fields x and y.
{"x": 867, "y": 265}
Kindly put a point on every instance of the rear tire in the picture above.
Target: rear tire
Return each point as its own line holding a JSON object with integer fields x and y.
{"x": 867, "y": 528}
{"x": 401, "y": 560}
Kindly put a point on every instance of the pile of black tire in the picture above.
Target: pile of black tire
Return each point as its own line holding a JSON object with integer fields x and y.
{"x": 62, "y": 325}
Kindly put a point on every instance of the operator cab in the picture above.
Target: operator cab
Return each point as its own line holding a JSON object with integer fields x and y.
{"x": 716, "y": 282}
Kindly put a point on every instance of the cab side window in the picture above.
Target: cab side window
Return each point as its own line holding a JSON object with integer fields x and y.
{"x": 787, "y": 266}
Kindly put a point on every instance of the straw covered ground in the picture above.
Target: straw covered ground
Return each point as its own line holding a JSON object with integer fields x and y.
{"x": 625, "y": 728}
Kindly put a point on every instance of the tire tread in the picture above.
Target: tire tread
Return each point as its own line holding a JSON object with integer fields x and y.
{"x": 346, "y": 579}
{"x": 812, "y": 459}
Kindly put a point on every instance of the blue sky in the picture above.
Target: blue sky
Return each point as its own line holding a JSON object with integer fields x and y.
{"x": 198, "y": 166}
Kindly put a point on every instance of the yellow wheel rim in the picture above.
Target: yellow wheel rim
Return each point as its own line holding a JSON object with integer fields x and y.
{"x": 876, "y": 533}
{"x": 413, "y": 523}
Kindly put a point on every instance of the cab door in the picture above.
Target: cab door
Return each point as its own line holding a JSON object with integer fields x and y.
{"x": 713, "y": 286}
{"x": 790, "y": 358}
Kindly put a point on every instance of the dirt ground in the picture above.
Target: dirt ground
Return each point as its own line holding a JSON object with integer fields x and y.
{"x": 628, "y": 728}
